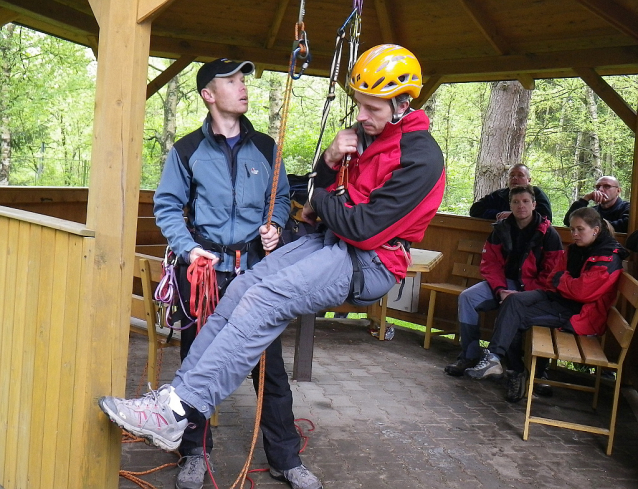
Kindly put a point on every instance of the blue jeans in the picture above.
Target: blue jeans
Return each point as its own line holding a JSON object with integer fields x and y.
{"x": 520, "y": 312}
{"x": 475, "y": 299}
{"x": 303, "y": 277}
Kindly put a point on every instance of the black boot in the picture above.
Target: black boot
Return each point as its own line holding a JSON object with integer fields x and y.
{"x": 457, "y": 368}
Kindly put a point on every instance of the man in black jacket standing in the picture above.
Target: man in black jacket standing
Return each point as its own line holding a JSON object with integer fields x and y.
{"x": 496, "y": 206}
{"x": 610, "y": 206}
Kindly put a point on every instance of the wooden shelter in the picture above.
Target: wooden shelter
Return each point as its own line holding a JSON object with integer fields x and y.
{"x": 66, "y": 286}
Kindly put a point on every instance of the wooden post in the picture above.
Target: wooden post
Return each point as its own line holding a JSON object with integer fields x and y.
{"x": 633, "y": 215}
{"x": 112, "y": 212}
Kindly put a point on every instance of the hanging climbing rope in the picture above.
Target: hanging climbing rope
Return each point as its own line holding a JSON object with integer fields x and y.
{"x": 301, "y": 51}
{"x": 353, "y": 22}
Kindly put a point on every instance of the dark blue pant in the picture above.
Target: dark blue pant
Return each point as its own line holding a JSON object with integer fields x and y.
{"x": 521, "y": 311}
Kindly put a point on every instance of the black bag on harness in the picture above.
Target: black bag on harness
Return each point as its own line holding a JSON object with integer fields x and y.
{"x": 296, "y": 227}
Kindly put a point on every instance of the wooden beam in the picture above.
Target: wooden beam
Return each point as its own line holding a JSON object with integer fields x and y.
{"x": 270, "y": 59}
{"x": 539, "y": 62}
{"x": 633, "y": 211}
{"x": 429, "y": 87}
{"x": 609, "y": 95}
{"x": 618, "y": 16}
{"x": 7, "y": 16}
{"x": 387, "y": 31}
{"x": 97, "y": 6}
{"x": 116, "y": 155}
{"x": 148, "y": 10}
{"x": 168, "y": 74}
{"x": 527, "y": 81}
{"x": 486, "y": 26}
{"x": 276, "y": 24}
{"x": 54, "y": 13}
{"x": 93, "y": 44}
{"x": 259, "y": 70}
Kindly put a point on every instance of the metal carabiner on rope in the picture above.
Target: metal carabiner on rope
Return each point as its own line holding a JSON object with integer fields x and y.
{"x": 301, "y": 51}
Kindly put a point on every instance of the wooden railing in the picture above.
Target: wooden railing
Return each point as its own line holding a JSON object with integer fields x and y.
{"x": 45, "y": 348}
{"x": 443, "y": 235}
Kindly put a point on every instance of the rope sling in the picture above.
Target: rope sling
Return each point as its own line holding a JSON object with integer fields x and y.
{"x": 354, "y": 23}
{"x": 301, "y": 50}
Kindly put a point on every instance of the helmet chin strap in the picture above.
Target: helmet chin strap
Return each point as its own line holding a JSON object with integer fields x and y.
{"x": 395, "y": 110}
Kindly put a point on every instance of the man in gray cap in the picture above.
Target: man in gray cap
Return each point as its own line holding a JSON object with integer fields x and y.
{"x": 222, "y": 173}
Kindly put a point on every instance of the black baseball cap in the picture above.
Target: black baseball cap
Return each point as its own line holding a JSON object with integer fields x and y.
{"x": 221, "y": 68}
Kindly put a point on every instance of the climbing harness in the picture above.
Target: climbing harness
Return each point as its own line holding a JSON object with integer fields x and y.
{"x": 354, "y": 23}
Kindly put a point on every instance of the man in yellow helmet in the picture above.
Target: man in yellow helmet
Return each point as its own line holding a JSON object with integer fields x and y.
{"x": 394, "y": 187}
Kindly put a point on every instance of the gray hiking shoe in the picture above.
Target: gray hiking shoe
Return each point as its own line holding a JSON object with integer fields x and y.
{"x": 192, "y": 471}
{"x": 488, "y": 366}
{"x": 298, "y": 477}
{"x": 149, "y": 417}
{"x": 515, "y": 386}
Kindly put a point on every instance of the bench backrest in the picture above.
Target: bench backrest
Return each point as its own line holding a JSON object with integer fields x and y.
{"x": 470, "y": 270}
{"x": 622, "y": 325}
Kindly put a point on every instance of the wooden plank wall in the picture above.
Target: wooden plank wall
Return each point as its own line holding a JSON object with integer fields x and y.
{"x": 44, "y": 346}
{"x": 62, "y": 202}
{"x": 443, "y": 235}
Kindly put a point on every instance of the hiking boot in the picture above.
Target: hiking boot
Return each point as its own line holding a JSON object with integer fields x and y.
{"x": 515, "y": 386}
{"x": 298, "y": 477}
{"x": 488, "y": 366}
{"x": 149, "y": 417}
{"x": 192, "y": 471}
{"x": 457, "y": 368}
{"x": 543, "y": 390}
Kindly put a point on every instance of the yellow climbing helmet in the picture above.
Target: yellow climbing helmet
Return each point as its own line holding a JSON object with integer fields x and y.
{"x": 386, "y": 71}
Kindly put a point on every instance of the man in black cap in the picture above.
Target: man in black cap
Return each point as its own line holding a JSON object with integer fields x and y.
{"x": 222, "y": 173}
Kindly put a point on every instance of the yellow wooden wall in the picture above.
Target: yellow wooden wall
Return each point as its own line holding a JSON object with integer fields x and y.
{"x": 45, "y": 264}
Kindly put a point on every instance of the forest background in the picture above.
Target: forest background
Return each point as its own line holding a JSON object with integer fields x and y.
{"x": 561, "y": 130}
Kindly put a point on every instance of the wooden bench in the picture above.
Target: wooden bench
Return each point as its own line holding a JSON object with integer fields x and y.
{"x": 422, "y": 261}
{"x": 149, "y": 270}
{"x": 144, "y": 310}
{"x": 465, "y": 274}
{"x": 590, "y": 351}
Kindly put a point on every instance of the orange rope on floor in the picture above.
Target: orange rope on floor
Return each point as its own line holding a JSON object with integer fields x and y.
{"x": 134, "y": 476}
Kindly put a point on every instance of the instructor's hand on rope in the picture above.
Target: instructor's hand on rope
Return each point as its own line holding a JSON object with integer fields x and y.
{"x": 345, "y": 142}
{"x": 197, "y": 252}
{"x": 269, "y": 236}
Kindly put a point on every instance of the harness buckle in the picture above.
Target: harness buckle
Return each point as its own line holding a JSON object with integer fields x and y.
{"x": 237, "y": 262}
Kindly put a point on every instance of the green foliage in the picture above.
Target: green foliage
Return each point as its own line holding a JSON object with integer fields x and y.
{"x": 50, "y": 103}
{"x": 50, "y": 100}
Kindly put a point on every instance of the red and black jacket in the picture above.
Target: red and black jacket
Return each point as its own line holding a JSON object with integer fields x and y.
{"x": 394, "y": 189}
{"x": 589, "y": 276}
{"x": 541, "y": 253}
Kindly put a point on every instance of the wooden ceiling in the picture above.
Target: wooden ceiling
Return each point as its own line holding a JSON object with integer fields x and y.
{"x": 455, "y": 40}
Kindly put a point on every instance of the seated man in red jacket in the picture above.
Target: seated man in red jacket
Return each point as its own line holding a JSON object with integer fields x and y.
{"x": 518, "y": 255}
{"x": 394, "y": 187}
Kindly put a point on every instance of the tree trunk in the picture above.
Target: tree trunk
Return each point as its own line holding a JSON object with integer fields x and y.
{"x": 430, "y": 109}
{"x": 594, "y": 143}
{"x": 502, "y": 136}
{"x": 6, "y": 33}
{"x": 578, "y": 174}
{"x": 275, "y": 98}
{"x": 169, "y": 128}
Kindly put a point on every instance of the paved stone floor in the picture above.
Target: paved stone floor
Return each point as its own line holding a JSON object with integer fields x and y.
{"x": 386, "y": 416}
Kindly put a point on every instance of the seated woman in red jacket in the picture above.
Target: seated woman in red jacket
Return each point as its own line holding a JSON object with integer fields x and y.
{"x": 578, "y": 295}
